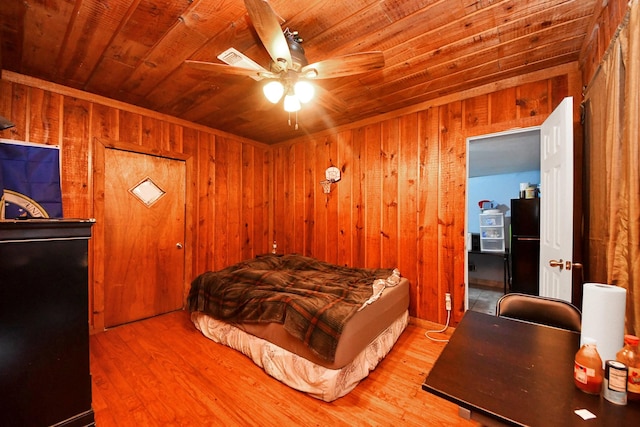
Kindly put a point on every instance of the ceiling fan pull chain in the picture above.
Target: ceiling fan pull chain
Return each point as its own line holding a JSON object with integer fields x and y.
{"x": 296, "y": 124}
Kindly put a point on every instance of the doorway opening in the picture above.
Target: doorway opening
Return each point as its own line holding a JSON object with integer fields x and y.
{"x": 497, "y": 166}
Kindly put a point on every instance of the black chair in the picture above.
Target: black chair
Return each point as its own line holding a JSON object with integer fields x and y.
{"x": 542, "y": 310}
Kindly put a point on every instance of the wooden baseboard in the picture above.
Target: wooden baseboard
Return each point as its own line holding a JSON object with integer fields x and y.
{"x": 483, "y": 283}
{"x": 429, "y": 325}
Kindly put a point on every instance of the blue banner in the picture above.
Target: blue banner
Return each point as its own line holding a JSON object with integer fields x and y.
{"x": 30, "y": 181}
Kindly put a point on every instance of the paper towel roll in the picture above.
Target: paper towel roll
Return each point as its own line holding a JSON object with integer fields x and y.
{"x": 603, "y": 311}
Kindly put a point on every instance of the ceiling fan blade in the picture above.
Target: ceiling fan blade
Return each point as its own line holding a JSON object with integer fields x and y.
{"x": 345, "y": 65}
{"x": 213, "y": 67}
{"x": 266, "y": 23}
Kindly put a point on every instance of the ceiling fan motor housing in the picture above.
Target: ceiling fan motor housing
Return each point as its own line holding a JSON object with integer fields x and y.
{"x": 298, "y": 58}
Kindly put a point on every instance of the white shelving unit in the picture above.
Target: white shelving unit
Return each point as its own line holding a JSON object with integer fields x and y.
{"x": 492, "y": 232}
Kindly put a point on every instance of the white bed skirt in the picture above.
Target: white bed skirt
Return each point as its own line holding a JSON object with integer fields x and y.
{"x": 295, "y": 371}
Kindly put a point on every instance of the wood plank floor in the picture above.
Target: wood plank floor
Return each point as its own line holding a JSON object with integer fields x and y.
{"x": 163, "y": 372}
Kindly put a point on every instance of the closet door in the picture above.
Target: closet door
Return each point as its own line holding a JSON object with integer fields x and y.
{"x": 144, "y": 235}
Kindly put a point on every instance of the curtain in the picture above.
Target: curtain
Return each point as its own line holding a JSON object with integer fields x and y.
{"x": 626, "y": 266}
{"x": 612, "y": 169}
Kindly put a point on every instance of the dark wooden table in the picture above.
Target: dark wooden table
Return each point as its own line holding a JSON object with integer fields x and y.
{"x": 502, "y": 371}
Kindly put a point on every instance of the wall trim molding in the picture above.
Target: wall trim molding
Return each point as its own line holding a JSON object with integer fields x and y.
{"x": 564, "y": 69}
{"x": 17, "y": 78}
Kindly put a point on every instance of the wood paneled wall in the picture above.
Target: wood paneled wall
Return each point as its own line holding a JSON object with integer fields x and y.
{"x": 602, "y": 28}
{"x": 227, "y": 184}
{"x": 401, "y": 201}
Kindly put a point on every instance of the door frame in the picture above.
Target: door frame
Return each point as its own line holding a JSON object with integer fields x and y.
{"x": 97, "y": 241}
{"x": 578, "y": 157}
{"x": 469, "y": 140}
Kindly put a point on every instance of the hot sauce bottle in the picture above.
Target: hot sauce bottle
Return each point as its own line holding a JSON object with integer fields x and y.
{"x": 587, "y": 370}
{"x": 631, "y": 358}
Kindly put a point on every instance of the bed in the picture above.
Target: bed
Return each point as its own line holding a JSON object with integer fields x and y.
{"x": 317, "y": 327}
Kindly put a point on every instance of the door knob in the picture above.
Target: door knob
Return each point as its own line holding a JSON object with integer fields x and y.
{"x": 179, "y": 245}
{"x": 554, "y": 263}
{"x": 573, "y": 264}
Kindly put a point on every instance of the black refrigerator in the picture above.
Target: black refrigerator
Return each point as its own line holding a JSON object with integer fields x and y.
{"x": 525, "y": 245}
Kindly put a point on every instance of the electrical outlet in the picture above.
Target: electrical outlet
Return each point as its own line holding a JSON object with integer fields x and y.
{"x": 447, "y": 301}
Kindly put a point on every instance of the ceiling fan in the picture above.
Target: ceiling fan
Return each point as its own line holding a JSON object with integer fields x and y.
{"x": 289, "y": 73}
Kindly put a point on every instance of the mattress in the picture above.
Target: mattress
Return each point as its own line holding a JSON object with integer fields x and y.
{"x": 366, "y": 339}
{"x": 361, "y": 329}
{"x": 312, "y": 299}
{"x": 296, "y": 371}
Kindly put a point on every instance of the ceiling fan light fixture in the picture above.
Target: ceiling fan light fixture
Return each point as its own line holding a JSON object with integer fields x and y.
{"x": 273, "y": 91}
{"x": 291, "y": 103}
{"x": 304, "y": 91}
{"x": 311, "y": 73}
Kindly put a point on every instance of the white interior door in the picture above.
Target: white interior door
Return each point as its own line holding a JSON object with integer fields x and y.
{"x": 556, "y": 202}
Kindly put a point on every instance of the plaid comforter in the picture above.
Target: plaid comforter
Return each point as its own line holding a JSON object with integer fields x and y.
{"x": 311, "y": 298}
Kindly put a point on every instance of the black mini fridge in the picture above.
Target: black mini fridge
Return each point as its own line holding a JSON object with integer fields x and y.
{"x": 525, "y": 245}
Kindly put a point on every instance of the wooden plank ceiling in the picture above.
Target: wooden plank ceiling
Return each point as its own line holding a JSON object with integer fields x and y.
{"x": 134, "y": 51}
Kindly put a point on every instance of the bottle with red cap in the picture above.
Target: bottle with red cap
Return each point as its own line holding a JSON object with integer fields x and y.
{"x": 631, "y": 358}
